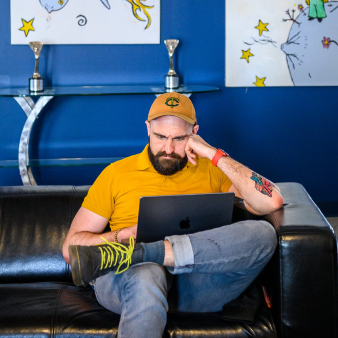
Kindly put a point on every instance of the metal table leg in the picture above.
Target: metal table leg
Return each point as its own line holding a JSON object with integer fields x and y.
{"x": 32, "y": 110}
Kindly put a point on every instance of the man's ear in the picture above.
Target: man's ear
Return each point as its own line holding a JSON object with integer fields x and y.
{"x": 148, "y": 127}
{"x": 195, "y": 129}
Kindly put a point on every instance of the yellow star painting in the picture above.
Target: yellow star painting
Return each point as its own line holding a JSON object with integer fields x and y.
{"x": 280, "y": 43}
{"x": 260, "y": 82}
{"x": 81, "y": 22}
{"x": 27, "y": 26}
{"x": 246, "y": 54}
{"x": 261, "y": 27}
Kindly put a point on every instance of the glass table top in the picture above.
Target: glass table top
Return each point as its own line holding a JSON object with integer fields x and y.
{"x": 105, "y": 90}
{"x": 61, "y": 162}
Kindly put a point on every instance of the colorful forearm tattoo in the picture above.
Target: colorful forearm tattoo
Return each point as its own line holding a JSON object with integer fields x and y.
{"x": 239, "y": 202}
{"x": 262, "y": 185}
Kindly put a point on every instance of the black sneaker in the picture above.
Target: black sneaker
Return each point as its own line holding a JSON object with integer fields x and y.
{"x": 91, "y": 262}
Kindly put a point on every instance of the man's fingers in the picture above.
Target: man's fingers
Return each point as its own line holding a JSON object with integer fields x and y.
{"x": 191, "y": 160}
{"x": 196, "y": 146}
{"x": 189, "y": 150}
{"x": 190, "y": 153}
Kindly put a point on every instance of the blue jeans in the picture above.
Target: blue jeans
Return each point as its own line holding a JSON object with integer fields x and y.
{"x": 213, "y": 267}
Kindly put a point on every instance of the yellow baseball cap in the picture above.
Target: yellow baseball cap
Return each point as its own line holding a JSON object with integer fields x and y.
{"x": 173, "y": 104}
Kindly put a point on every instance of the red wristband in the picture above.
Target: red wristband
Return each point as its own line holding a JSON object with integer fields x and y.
{"x": 218, "y": 155}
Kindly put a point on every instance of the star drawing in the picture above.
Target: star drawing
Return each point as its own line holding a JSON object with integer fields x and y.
{"x": 261, "y": 27}
{"x": 27, "y": 26}
{"x": 259, "y": 82}
{"x": 246, "y": 54}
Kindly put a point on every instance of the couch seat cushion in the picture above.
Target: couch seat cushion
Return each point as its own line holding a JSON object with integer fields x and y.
{"x": 63, "y": 310}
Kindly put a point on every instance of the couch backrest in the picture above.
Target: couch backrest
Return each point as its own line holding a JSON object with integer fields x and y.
{"x": 34, "y": 222}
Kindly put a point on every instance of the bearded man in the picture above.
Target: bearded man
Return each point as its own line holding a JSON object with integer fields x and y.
{"x": 213, "y": 267}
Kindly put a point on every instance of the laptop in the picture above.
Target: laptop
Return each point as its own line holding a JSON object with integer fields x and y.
{"x": 161, "y": 216}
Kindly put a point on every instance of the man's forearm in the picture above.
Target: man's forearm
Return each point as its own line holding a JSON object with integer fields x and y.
{"x": 86, "y": 238}
{"x": 89, "y": 238}
{"x": 260, "y": 194}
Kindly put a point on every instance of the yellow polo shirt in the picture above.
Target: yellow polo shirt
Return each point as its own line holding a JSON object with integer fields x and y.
{"x": 116, "y": 193}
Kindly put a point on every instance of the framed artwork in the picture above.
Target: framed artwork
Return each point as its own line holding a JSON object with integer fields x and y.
{"x": 85, "y": 21}
{"x": 281, "y": 43}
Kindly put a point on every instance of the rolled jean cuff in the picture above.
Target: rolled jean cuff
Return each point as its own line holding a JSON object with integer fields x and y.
{"x": 183, "y": 254}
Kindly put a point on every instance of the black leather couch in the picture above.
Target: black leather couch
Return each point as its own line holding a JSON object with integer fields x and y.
{"x": 38, "y": 298}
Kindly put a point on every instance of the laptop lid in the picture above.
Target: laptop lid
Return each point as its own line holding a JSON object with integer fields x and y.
{"x": 161, "y": 216}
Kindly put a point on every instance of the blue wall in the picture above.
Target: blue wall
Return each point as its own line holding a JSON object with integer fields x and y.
{"x": 285, "y": 134}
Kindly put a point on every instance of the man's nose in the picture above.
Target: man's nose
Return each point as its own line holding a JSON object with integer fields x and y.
{"x": 169, "y": 146}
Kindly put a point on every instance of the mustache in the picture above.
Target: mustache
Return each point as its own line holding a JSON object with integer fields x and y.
{"x": 167, "y": 166}
{"x": 172, "y": 155}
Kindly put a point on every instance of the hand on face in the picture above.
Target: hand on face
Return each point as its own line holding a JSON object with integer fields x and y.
{"x": 165, "y": 135}
{"x": 197, "y": 146}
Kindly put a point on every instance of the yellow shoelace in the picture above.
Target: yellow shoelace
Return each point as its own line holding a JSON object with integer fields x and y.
{"x": 113, "y": 252}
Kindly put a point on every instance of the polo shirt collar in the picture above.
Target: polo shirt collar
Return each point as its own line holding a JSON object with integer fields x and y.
{"x": 143, "y": 162}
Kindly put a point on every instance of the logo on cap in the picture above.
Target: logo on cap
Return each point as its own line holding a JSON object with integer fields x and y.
{"x": 172, "y": 102}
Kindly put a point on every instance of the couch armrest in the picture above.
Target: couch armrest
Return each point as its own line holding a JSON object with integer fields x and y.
{"x": 303, "y": 271}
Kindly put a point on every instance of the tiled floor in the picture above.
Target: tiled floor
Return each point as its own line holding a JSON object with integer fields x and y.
{"x": 334, "y": 222}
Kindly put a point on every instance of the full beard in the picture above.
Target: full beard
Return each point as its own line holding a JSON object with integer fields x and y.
{"x": 167, "y": 166}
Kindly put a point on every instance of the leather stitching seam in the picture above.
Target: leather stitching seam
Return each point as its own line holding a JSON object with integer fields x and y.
{"x": 55, "y": 313}
{"x": 71, "y": 212}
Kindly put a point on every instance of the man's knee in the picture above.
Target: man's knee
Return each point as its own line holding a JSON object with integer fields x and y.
{"x": 147, "y": 275}
{"x": 139, "y": 282}
{"x": 147, "y": 286}
{"x": 265, "y": 239}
